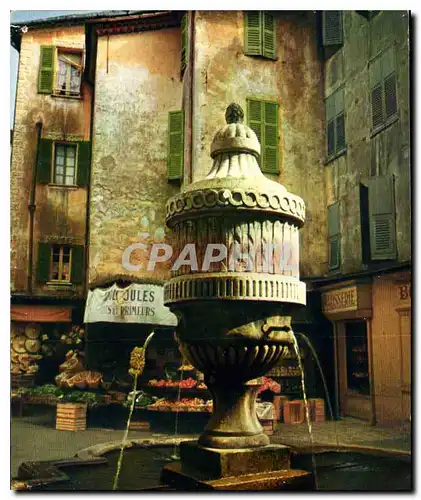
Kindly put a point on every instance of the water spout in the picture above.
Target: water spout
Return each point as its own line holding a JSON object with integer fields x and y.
{"x": 306, "y": 406}
{"x": 137, "y": 364}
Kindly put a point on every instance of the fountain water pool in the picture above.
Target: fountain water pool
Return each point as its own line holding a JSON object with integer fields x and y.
{"x": 337, "y": 471}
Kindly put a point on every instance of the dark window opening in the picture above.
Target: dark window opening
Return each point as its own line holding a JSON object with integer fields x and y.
{"x": 357, "y": 357}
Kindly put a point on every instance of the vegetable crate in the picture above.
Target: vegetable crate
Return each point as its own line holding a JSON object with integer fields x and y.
{"x": 22, "y": 380}
{"x": 71, "y": 417}
{"x": 268, "y": 426}
{"x": 317, "y": 410}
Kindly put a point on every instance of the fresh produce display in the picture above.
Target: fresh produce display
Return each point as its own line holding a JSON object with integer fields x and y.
{"x": 269, "y": 385}
{"x": 187, "y": 383}
{"x": 24, "y": 363}
{"x": 74, "y": 336}
{"x": 141, "y": 399}
{"x": 73, "y": 373}
{"x": 185, "y": 404}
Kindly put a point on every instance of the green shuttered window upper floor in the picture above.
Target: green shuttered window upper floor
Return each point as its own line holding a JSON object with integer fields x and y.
{"x": 46, "y": 161}
{"x": 262, "y": 118}
{"x": 175, "y": 157}
{"x": 260, "y": 34}
{"x": 46, "y": 69}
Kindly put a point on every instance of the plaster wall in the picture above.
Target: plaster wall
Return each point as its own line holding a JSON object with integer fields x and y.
{"x": 224, "y": 74}
{"x": 60, "y": 212}
{"x": 137, "y": 84}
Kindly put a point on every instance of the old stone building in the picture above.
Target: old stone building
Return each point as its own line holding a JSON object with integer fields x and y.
{"x": 115, "y": 112}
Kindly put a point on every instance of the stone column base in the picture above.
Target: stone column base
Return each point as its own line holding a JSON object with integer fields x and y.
{"x": 253, "y": 469}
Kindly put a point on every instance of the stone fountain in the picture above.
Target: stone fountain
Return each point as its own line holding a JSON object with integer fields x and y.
{"x": 235, "y": 309}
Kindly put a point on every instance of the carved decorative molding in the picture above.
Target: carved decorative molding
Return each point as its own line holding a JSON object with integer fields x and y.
{"x": 235, "y": 286}
{"x": 287, "y": 204}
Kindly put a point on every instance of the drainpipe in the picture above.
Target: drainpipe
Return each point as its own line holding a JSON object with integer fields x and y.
{"x": 31, "y": 208}
{"x": 191, "y": 78}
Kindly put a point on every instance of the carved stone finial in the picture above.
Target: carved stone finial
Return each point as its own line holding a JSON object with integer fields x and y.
{"x": 234, "y": 113}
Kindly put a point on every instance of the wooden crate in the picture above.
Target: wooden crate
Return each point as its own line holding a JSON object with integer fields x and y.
{"x": 22, "y": 380}
{"x": 294, "y": 412}
{"x": 317, "y": 410}
{"x": 278, "y": 405}
{"x": 268, "y": 427}
{"x": 71, "y": 417}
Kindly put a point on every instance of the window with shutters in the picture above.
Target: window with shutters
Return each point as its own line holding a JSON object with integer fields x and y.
{"x": 262, "y": 118}
{"x": 332, "y": 28}
{"x": 175, "y": 157}
{"x": 334, "y": 235}
{"x": 381, "y": 205}
{"x": 60, "y": 263}
{"x": 259, "y": 34}
{"x": 60, "y": 269}
{"x": 335, "y": 123}
{"x": 383, "y": 85}
{"x": 65, "y": 164}
{"x": 184, "y": 44}
{"x": 60, "y": 71}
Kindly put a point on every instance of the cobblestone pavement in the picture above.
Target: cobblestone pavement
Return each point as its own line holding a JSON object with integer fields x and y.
{"x": 35, "y": 437}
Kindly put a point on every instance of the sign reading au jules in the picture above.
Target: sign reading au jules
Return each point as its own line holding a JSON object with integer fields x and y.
{"x": 340, "y": 300}
{"x": 133, "y": 304}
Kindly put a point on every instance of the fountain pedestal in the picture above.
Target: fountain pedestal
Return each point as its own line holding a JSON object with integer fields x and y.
{"x": 235, "y": 311}
{"x": 247, "y": 469}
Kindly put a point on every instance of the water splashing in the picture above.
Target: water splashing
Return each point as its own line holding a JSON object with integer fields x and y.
{"x": 306, "y": 407}
{"x": 136, "y": 369}
{"x": 175, "y": 456}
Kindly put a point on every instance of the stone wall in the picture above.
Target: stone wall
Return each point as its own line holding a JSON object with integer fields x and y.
{"x": 384, "y": 153}
{"x": 224, "y": 74}
{"x": 137, "y": 84}
{"x": 60, "y": 212}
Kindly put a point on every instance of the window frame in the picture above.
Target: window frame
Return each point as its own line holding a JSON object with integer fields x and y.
{"x": 262, "y": 122}
{"x": 60, "y": 272}
{"x": 386, "y": 121}
{"x": 336, "y": 151}
{"x": 65, "y": 50}
{"x": 335, "y": 237}
{"x": 261, "y": 52}
{"x": 53, "y": 182}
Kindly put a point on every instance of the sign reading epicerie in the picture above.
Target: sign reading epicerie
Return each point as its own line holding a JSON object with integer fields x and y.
{"x": 133, "y": 304}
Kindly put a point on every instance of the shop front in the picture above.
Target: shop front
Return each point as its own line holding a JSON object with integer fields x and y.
{"x": 349, "y": 307}
{"x": 372, "y": 332}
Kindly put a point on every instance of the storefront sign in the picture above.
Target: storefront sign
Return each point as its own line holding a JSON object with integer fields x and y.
{"x": 134, "y": 304}
{"x": 41, "y": 314}
{"x": 340, "y": 300}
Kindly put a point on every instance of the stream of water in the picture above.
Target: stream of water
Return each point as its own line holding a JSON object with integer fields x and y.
{"x": 132, "y": 405}
{"x": 306, "y": 407}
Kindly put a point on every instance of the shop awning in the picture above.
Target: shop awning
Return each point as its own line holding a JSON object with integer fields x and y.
{"x": 137, "y": 303}
{"x": 41, "y": 314}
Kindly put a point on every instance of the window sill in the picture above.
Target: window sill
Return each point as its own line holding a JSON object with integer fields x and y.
{"x": 385, "y": 125}
{"x": 60, "y": 284}
{"x": 64, "y": 96}
{"x": 261, "y": 56}
{"x": 71, "y": 187}
{"x": 334, "y": 156}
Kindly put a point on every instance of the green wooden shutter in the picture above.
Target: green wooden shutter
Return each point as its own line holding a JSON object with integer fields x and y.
{"x": 184, "y": 43}
{"x": 330, "y": 121}
{"x": 270, "y": 162}
{"x": 332, "y": 27}
{"x": 340, "y": 120}
{"x": 253, "y": 33}
{"x": 43, "y": 265}
{"x": 381, "y": 205}
{"x": 255, "y": 122}
{"x": 45, "y": 159}
{"x": 269, "y": 49}
{"x": 334, "y": 236}
{"x": 389, "y": 82}
{"x": 77, "y": 274}
{"x": 46, "y": 70}
{"x": 376, "y": 93}
{"x": 83, "y": 163}
{"x": 175, "y": 158}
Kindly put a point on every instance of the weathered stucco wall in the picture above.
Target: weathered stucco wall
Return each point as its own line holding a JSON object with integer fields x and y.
{"x": 60, "y": 212}
{"x": 368, "y": 155}
{"x": 224, "y": 74}
{"x": 137, "y": 84}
